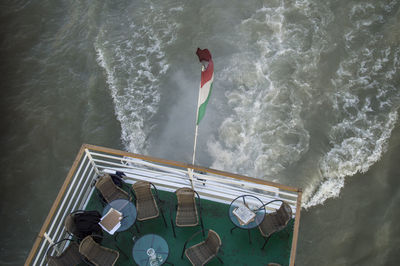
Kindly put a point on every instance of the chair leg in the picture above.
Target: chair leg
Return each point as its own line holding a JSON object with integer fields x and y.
{"x": 162, "y": 214}
{"x": 183, "y": 250}
{"x": 248, "y": 231}
{"x": 233, "y": 228}
{"x": 266, "y": 240}
{"x": 116, "y": 245}
{"x": 173, "y": 228}
{"x": 131, "y": 230}
{"x": 123, "y": 253}
{"x": 116, "y": 237}
{"x": 220, "y": 260}
{"x": 87, "y": 262}
{"x": 202, "y": 226}
{"x": 137, "y": 228}
{"x": 102, "y": 200}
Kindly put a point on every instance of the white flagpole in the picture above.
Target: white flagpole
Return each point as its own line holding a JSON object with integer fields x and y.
{"x": 195, "y": 143}
{"x": 197, "y": 125}
{"x": 195, "y": 134}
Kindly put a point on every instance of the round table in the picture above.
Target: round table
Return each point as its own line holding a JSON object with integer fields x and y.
{"x": 146, "y": 242}
{"x": 254, "y": 204}
{"x": 128, "y": 211}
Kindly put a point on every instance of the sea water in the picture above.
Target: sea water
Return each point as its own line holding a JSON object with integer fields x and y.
{"x": 306, "y": 93}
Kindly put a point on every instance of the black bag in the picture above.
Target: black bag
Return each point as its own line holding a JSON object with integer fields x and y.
{"x": 117, "y": 178}
{"x": 87, "y": 223}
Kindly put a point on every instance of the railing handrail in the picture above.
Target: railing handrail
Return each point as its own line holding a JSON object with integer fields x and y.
{"x": 194, "y": 167}
{"x": 216, "y": 178}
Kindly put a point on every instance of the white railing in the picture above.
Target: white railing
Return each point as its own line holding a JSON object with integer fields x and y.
{"x": 75, "y": 195}
{"x": 210, "y": 186}
{"x": 166, "y": 175}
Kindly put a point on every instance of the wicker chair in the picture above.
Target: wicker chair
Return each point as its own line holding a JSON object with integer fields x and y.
{"x": 146, "y": 202}
{"x": 188, "y": 212}
{"x": 203, "y": 252}
{"x": 275, "y": 221}
{"x": 82, "y": 223}
{"x": 97, "y": 254}
{"x": 109, "y": 191}
{"x": 70, "y": 256}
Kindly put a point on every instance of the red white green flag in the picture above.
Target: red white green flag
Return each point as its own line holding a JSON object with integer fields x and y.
{"x": 207, "y": 78}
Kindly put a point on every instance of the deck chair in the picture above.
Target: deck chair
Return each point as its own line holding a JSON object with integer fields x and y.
{"x": 203, "y": 252}
{"x": 70, "y": 256}
{"x": 109, "y": 191}
{"x": 81, "y": 223}
{"x": 97, "y": 254}
{"x": 146, "y": 201}
{"x": 275, "y": 221}
{"x": 188, "y": 212}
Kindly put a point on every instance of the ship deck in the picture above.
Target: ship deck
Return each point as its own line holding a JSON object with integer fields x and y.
{"x": 217, "y": 189}
{"x": 236, "y": 249}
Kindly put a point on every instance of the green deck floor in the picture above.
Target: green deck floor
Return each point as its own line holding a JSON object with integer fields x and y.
{"x": 236, "y": 249}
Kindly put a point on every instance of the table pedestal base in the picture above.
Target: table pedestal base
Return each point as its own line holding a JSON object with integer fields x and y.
{"x": 248, "y": 231}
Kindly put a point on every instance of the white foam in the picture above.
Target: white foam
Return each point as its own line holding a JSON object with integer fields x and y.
{"x": 351, "y": 156}
{"x": 265, "y": 134}
{"x": 135, "y": 62}
{"x": 330, "y": 188}
{"x": 365, "y": 104}
{"x": 271, "y": 85}
{"x": 179, "y": 8}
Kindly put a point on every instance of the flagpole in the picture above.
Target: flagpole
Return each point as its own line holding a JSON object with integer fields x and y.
{"x": 195, "y": 134}
{"x": 197, "y": 125}
{"x": 194, "y": 155}
{"x": 195, "y": 143}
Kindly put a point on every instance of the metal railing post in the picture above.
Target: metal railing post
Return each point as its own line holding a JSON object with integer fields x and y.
{"x": 190, "y": 172}
{"x": 92, "y": 161}
{"x": 48, "y": 239}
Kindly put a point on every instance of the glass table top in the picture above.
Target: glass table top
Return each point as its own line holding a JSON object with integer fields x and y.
{"x": 150, "y": 249}
{"x": 127, "y": 209}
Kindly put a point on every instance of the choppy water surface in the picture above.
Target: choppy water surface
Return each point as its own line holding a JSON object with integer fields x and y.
{"x": 306, "y": 94}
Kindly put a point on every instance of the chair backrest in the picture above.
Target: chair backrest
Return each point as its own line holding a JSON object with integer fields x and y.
{"x": 284, "y": 214}
{"x": 146, "y": 205}
{"x": 82, "y": 223}
{"x": 142, "y": 191}
{"x": 186, "y": 214}
{"x": 70, "y": 226}
{"x": 277, "y": 220}
{"x": 109, "y": 190}
{"x": 97, "y": 254}
{"x": 186, "y": 197}
{"x": 69, "y": 257}
{"x": 213, "y": 241}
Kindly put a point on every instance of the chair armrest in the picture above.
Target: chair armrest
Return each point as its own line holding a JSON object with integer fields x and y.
{"x": 76, "y": 211}
{"x": 220, "y": 249}
{"x": 198, "y": 201}
{"x": 102, "y": 199}
{"x": 132, "y": 192}
{"x": 263, "y": 206}
{"x": 99, "y": 236}
{"x": 187, "y": 241}
{"x": 56, "y": 243}
{"x": 156, "y": 193}
{"x": 171, "y": 210}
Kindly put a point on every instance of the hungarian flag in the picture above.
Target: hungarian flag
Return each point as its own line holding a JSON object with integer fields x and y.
{"x": 207, "y": 78}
